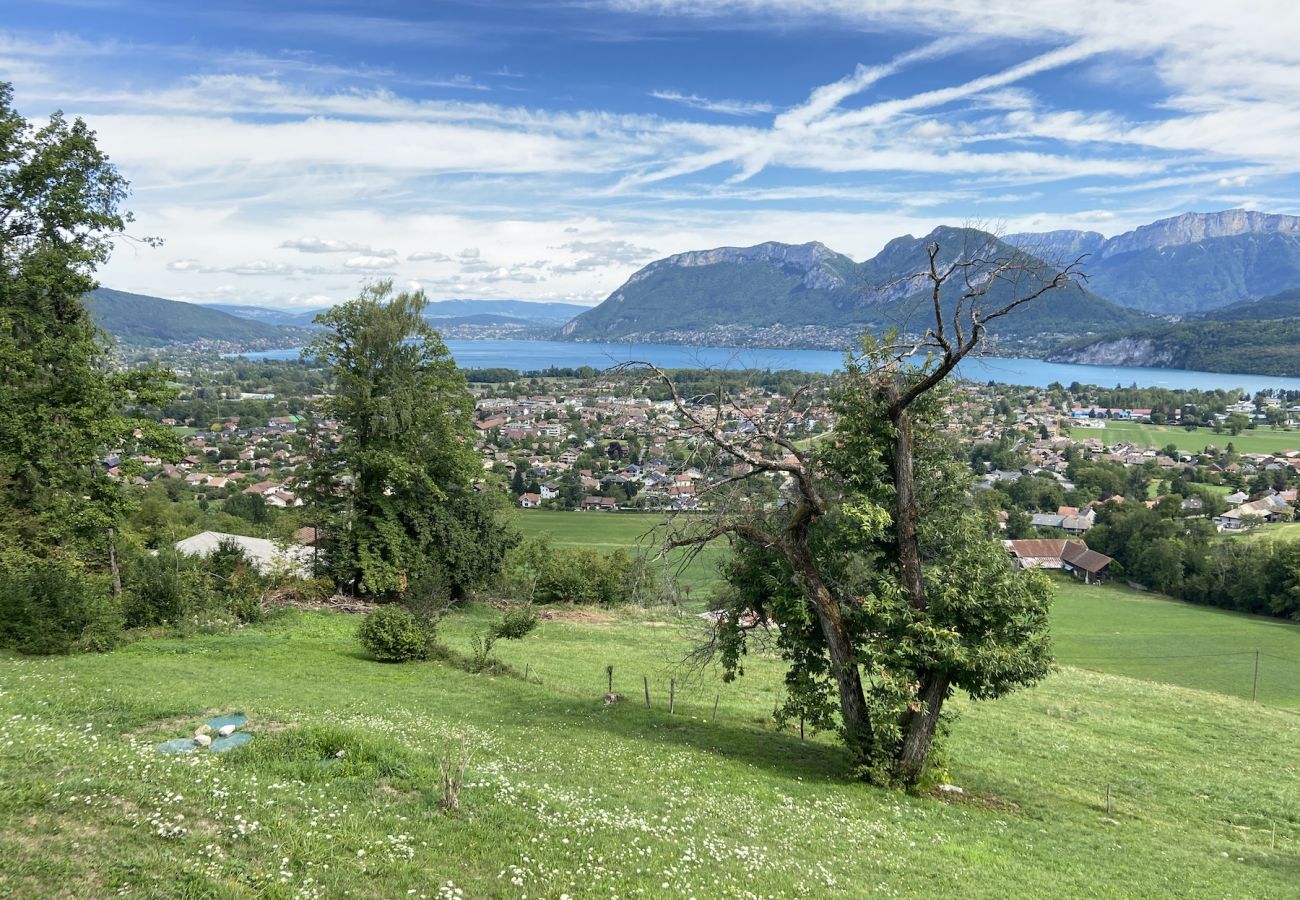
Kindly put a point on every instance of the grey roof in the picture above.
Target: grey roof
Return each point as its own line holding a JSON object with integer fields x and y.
{"x": 263, "y": 554}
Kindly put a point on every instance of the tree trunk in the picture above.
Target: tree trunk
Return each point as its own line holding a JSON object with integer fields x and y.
{"x": 839, "y": 644}
{"x": 919, "y": 725}
{"x": 112, "y": 564}
{"x": 920, "y": 728}
{"x": 907, "y": 512}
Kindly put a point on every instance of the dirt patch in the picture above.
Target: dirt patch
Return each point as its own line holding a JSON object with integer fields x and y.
{"x": 179, "y": 724}
{"x": 979, "y": 801}
{"x": 337, "y": 603}
{"x": 655, "y": 624}
{"x": 588, "y": 616}
{"x": 387, "y": 790}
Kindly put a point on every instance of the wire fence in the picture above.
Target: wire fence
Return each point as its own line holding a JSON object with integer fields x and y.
{"x": 1269, "y": 679}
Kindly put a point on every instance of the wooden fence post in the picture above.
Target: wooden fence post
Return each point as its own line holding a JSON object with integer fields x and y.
{"x": 672, "y": 694}
{"x": 646, "y": 681}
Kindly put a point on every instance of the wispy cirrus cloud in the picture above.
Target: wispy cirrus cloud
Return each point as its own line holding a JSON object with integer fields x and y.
{"x": 726, "y": 107}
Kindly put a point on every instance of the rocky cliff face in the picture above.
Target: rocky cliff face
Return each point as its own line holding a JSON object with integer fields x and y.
{"x": 1189, "y": 228}
{"x": 818, "y": 263}
{"x": 1185, "y": 264}
{"x": 1117, "y": 352}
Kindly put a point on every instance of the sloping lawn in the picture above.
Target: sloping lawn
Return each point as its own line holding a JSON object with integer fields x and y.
{"x": 337, "y": 794}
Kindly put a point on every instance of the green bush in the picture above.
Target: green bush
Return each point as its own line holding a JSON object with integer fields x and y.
{"x": 48, "y": 608}
{"x": 538, "y": 571}
{"x": 516, "y": 622}
{"x": 163, "y": 589}
{"x": 392, "y": 634}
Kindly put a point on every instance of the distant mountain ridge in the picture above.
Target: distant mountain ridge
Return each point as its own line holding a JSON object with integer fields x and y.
{"x": 518, "y": 311}
{"x": 1185, "y": 264}
{"x": 145, "y": 320}
{"x": 810, "y": 294}
{"x": 154, "y": 321}
{"x": 1257, "y": 336}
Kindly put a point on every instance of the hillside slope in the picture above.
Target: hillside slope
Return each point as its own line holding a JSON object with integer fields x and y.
{"x": 1284, "y": 305}
{"x": 154, "y": 321}
{"x": 336, "y": 795}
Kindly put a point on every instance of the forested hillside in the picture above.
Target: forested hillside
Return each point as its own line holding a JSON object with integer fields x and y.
{"x": 141, "y": 319}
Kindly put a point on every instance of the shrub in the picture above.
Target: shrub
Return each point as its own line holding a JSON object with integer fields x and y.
{"x": 516, "y": 622}
{"x": 538, "y": 571}
{"x": 392, "y": 634}
{"x": 49, "y": 608}
{"x": 163, "y": 590}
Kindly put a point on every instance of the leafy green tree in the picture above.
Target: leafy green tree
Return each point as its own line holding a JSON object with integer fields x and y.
{"x": 889, "y": 588}
{"x": 250, "y": 507}
{"x": 398, "y": 495}
{"x": 65, "y": 405}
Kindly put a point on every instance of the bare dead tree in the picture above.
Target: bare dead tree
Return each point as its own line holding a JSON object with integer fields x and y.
{"x": 964, "y": 296}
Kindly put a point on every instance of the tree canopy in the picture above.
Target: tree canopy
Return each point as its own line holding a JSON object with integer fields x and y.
{"x": 65, "y": 404}
{"x": 397, "y": 494}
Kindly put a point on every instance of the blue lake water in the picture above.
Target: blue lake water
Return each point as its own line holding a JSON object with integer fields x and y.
{"x": 526, "y": 356}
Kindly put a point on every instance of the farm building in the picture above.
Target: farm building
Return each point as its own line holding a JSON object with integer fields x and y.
{"x": 1071, "y": 555}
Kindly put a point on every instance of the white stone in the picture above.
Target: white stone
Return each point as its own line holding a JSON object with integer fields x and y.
{"x": 226, "y": 730}
{"x": 202, "y": 740}
{"x": 202, "y": 729}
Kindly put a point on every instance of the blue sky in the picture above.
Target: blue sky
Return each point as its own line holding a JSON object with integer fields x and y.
{"x": 287, "y": 152}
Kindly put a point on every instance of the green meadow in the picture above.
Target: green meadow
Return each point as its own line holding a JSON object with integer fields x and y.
{"x": 1113, "y": 628}
{"x": 564, "y": 794}
{"x": 1264, "y": 439}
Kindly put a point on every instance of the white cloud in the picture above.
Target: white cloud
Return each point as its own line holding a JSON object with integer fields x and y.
{"x": 726, "y": 107}
{"x": 371, "y": 263}
{"x": 225, "y": 164}
{"x": 323, "y": 245}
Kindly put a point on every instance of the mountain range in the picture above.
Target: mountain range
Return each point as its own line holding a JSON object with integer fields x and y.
{"x": 1186, "y": 264}
{"x": 147, "y": 321}
{"x": 1216, "y": 291}
{"x": 1236, "y": 274}
{"x": 810, "y": 294}
{"x": 540, "y": 313}
{"x": 143, "y": 320}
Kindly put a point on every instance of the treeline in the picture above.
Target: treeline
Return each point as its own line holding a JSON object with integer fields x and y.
{"x": 1184, "y": 557}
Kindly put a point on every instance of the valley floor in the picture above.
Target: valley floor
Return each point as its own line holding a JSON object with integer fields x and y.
{"x": 566, "y": 795}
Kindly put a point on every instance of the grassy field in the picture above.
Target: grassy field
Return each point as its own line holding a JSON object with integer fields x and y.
{"x": 1109, "y": 628}
{"x": 566, "y": 795}
{"x": 605, "y": 531}
{"x": 1265, "y": 439}
{"x": 1112, "y": 628}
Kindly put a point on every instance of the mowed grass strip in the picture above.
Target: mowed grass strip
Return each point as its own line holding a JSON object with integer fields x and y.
{"x": 568, "y": 795}
{"x": 1263, "y": 439}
